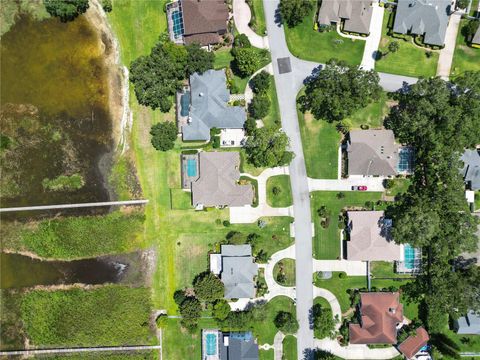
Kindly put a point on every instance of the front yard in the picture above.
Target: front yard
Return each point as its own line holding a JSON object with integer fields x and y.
{"x": 410, "y": 59}
{"x": 279, "y": 192}
{"x": 284, "y": 272}
{"x": 465, "y": 58}
{"x": 306, "y": 43}
{"x": 326, "y": 240}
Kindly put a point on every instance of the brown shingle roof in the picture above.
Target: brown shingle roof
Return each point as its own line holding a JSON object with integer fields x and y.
{"x": 413, "y": 344}
{"x": 380, "y": 314}
{"x": 204, "y": 21}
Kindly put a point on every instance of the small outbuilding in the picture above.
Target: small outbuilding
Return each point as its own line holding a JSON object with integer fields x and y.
{"x": 414, "y": 343}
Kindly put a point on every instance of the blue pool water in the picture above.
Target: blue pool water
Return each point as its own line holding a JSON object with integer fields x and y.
{"x": 191, "y": 167}
{"x": 211, "y": 344}
{"x": 409, "y": 257}
{"x": 185, "y": 104}
{"x": 177, "y": 22}
{"x": 405, "y": 161}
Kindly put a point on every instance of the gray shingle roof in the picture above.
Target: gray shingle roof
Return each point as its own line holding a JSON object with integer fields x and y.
{"x": 429, "y": 17}
{"x": 209, "y": 106}
{"x": 356, "y": 14}
{"x": 238, "y": 271}
{"x": 372, "y": 153}
{"x": 217, "y": 182}
{"x": 471, "y": 168}
{"x": 242, "y": 350}
{"x": 476, "y": 37}
{"x": 468, "y": 324}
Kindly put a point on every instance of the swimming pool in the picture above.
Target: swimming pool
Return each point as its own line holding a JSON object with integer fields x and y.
{"x": 211, "y": 344}
{"x": 177, "y": 23}
{"x": 409, "y": 257}
{"x": 405, "y": 160}
{"x": 191, "y": 167}
{"x": 185, "y": 104}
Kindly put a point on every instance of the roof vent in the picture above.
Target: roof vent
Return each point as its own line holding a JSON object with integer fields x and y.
{"x": 200, "y": 94}
{"x": 391, "y": 310}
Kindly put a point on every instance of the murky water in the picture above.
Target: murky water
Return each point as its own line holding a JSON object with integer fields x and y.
{"x": 54, "y": 117}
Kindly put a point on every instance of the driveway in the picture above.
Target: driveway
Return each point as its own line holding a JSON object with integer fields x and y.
{"x": 373, "y": 40}
{"x": 351, "y": 268}
{"x": 274, "y": 288}
{"x": 372, "y": 184}
{"x": 242, "y": 16}
{"x": 356, "y": 351}
{"x": 446, "y": 54}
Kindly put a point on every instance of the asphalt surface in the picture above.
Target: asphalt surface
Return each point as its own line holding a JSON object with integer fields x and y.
{"x": 289, "y": 79}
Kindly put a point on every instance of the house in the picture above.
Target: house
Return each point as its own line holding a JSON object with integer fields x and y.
{"x": 471, "y": 169}
{"x": 217, "y": 345}
{"x": 414, "y": 343}
{"x": 373, "y": 153}
{"x": 355, "y": 14}
{"x": 205, "y": 106}
{"x": 468, "y": 324}
{"x": 380, "y": 313}
{"x": 216, "y": 183}
{"x": 204, "y": 21}
{"x": 237, "y": 269}
{"x": 423, "y": 17}
{"x": 370, "y": 239}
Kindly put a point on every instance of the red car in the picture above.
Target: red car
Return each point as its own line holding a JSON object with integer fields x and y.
{"x": 359, "y": 188}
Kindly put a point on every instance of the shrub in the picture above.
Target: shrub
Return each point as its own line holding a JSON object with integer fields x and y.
{"x": 250, "y": 125}
{"x": 216, "y": 142}
{"x": 246, "y": 61}
{"x": 342, "y": 275}
{"x": 107, "y": 5}
{"x": 241, "y": 41}
{"x": 221, "y": 309}
{"x": 276, "y": 190}
{"x": 190, "y": 309}
{"x": 66, "y": 10}
{"x": 226, "y": 223}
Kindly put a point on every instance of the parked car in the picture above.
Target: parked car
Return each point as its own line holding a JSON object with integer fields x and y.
{"x": 359, "y": 188}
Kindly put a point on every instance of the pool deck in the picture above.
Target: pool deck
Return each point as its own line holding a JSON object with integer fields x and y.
{"x": 186, "y": 179}
{"x": 171, "y": 8}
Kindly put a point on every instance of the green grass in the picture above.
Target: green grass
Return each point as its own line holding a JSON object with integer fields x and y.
{"x": 474, "y": 7}
{"x": 399, "y": 186}
{"x": 181, "y": 199}
{"x": 465, "y": 58}
{"x": 372, "y": 115}
{"x": 326, "y": 242}
{"x": 123, "y": 179}
{"x": 409, "y": 60}
{"x": 257, "y": 22}
{"x": 290, "y": 348}
{"x": 477, "y": 200}
{"x": 265, "y": 330}
{"x": 273, "y": 116}
{"x": 106, "y": 316}
{"x": 282, "y": 184}
{"x": 287, "y": 268}
{"x": 133, "y": 355}
{"x": 223, "y": 58}
{"x": 245, "y": 180}
{"x": 266, "y": 354}
{"x": 320, "y": 142}
{"x": 306, "y": 43}
{"x": 72, "y": 237}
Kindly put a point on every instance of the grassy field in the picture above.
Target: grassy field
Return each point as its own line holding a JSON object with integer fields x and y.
{"x": 133, "y": 355}
{"x": 72, "y": 237}
{"x": 284, "y": 196}
{"x": 320, "y": 142}
{"x": 285, "y": 267}
{"x": 326, "y": 242}
{"x": 465, "y": 58}
{"x": 409, "y": 60}
{"x": 257, "y": 22}
{"x": 290, "y": 348}
{"x": 399, "y": 186}
{"x": 106, "y": 316}
{"x": 308, "y": 44}
{"x": 372, "y": 115}
{"x": 273, "y": 116}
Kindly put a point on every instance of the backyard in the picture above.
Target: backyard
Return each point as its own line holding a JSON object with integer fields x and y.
{"x": 326, "y": 240}
{"x": 371, "y": 116}
{"x": 307, "y": 43}
{"x": 465, "y": 58}
{"x": 410, "y": 59}
{"x": 279, "y": 192}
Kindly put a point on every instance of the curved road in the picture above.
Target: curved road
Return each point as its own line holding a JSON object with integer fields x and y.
{"x": 288, "y": 82}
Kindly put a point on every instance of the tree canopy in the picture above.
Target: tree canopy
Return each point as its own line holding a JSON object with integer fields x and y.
{"x": 190, "y": 309}
{"x": 66, "y": 10}
{"x": 268, "y": 148}
{"x": 164, "y": 135}
{"x": 339, "y": 90}
{"x": 439, "y": 120}
{"x": 323, "y": 322}
{"x": 259, "y": 106}
{"x": 208, "y": 287}
{"x": 199, "y": 60}
{"x": 261, "y": 82}
{"x": 246, "y": 60}
{"x": 286, "y": 322}
{"x": 221, "y": 309}
{"x": 293, "y": 11}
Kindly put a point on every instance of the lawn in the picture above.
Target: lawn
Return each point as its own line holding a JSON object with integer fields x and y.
{"x": 273, "y": 116}
{"x": 279, "y": 192}
{"x": 465, "y": 58}
{"x": 289, "y": 348}
{"x": 477, "y": 200}
{"x": 409, "y": 60}
{"x": 284, "y": 272}
{"x": 257, "y": 22}
{"x": 326, "y": 241}
{"x": 180, "y": 199}
{"x": 372, "y": 115}
{"x": 400, "y": 185}
{"x": 308, "y": 44}
{"x": 320, "y": 146}
{"x": 223, "y": 58}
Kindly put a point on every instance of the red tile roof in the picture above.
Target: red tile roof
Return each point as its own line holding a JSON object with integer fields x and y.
{"x": 413, "y": 344}
{"x": 380, "y": 314}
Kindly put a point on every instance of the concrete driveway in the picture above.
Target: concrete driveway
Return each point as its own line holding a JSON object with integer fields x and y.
{"x": 372, "y": 184}
{"x": 242, "y": 16}
{"x": 446, "y": 54}
{"x": 354, "y": 351}
{"x": 373, "y": 40}
{"x": 351, "y": 268}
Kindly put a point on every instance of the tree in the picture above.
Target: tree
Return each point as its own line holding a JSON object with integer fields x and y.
{"x": 286, "y": 322}
{"x": 198, "y": 59}
{"x": 259, "y": 106}
{"x": 156, "y": 77}
{"x": 323, "y": 322}
{"x": 190, "y": 310}
{"x": 293, "y": 11}
{"x": 208, "y": 287}
{"x": 250, "y": 125}
{"x": 107, "y": 5}
{"x": 339, "y": 90}
{"x": 241, "y": 41}
{"x": 66, "y": 10}
{"x": 221, "y": 309}
{"x": 179, "y": 297}
{"x": 393, "y": 47}
{"x": 268, "y": 148}
{"x": 246, "y": 60}
{"x": 462, "y": 4}
{"x": 261, "y": 82}
{"x": 470, "y": 28}
{"x": 164, "y": 135}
